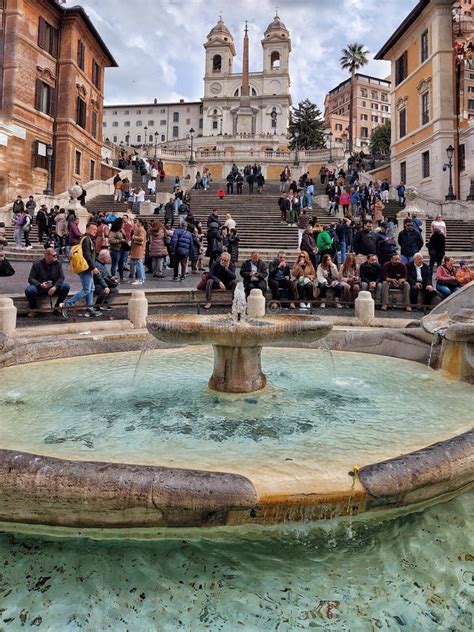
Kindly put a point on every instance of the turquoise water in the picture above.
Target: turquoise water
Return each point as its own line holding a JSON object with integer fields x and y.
{"x": 315, "y": 415}
{"x": 412, "y": 574}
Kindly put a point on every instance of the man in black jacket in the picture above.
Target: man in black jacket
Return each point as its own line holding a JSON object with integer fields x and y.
{"x": 371, "y": 277}
{"x": 254, "y": 273}
{"x": 365, "y": 241}
{"x": 46, "y": 277}
{"x": 87, "y": 277}
{"x": 410, "y": 242}
{"x": 420, "y": 280}
{"x": 279, "y": 278}
{"x": 221, "y": 277}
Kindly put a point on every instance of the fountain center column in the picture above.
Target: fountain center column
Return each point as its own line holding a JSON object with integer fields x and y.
{"x": 237, "y": 370}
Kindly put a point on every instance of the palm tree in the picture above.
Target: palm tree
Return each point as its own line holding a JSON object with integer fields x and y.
{"x": 354, "y": 56}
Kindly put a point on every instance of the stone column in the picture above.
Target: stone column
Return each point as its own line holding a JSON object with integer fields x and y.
{"x": 364, "y": 308}
{"x": 256, "y": 304}
{"x": 137, "y": 310}
{"x": 7, "y": 316}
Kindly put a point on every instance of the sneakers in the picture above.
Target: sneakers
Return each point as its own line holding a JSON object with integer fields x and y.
{"x": 174, "y": 278}
{"x": 137, "y": 282}
{"x": 408, "y": 308}
{"x": 308, "y": 305}
{"x": 92, "y": 313}
{"x": 106, "y": 308}
{"x": 323, "y": 305}
{"x": 292, "y": 306}
{"x": 207, "y": 306}
{"x": 181, "y": 278}
{"x": 338, "y": 305}
{"x": 303, "y": 306}
{"x": 64, "y": 310}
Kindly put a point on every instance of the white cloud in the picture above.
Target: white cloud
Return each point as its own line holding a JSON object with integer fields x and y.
{"x": 158, "y": 44}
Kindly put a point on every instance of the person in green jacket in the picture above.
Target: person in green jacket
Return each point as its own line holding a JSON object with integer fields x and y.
{"x": 324, "y": 242}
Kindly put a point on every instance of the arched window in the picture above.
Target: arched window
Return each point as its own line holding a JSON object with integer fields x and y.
{"x": 150, "y": 138}
{"x": 139, "y": 138}
{"x": 162, "y": 138}
{"x": 216, "y": 63}
{"x": 275, "y": 60}
{"x": 274, "y": 117}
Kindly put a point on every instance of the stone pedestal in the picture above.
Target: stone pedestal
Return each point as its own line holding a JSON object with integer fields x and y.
{"x": 410, "y": 210}
{"x": 256, "y": 304}
{"x": 237, "y": 370}
{"x": 74, "y": 205}
{"x": 364, "y": 308}
{"x": 137, "y": 310}
{"x": 7, "y": 316}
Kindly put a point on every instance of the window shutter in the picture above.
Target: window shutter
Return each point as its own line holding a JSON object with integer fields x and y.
{"x": 78, "y": 109}
{"x": 38, "y": 88}
{"x": 53, "y": 96}
{"x": 42, "y": 33}
{"x": 55, "y": 43}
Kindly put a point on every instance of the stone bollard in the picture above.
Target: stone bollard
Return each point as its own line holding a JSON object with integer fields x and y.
{"x": 256, "y": 304}
{"x": 7, "y": 316}
{"x": 137, "y": 310}
{"x": 365, "y": 308}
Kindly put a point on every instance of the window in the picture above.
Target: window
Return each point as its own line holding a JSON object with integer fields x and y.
{"x": 139, "y": 138}
{"x": 384, "y": 97}
{"x": 162, "y": 111}
{"x": 48, "y": 38}
{"x": 150, "y": 111}
{"x": 363, "y": 117}
{"x": 401, "y": 68}
{"x": 151, "y": 123}
{"x": 403, "y": 172}
{"x": 126, "y": 124}
{"x": 425, "y": 108}
{"x": 364, "y": 132}
{"x": 375, "y": 106}
{"x": 80, "y": 54}
{"x": 162, "y": 122}
{"x": 104, "y": 124}
{"x": 138, "y": 112}
{"x": 462, "y": 157}
{"x": 126, "y": 112}
{"x": 216, "y": 63}
{"x": 150, "y": 138}
{"x": 114, "y": 139}
{"x": 188, "y": 121}
{"x": 40, "y": 159}
{"x": 374, "y": 95}
{"x": 375, "y": 119}
{"x": 188, "y": 109}
{"x": 363, "y": 92}
{"x": 77, "y": 163}
{"x": 92, "y": 170}
{"x": 175, "y": 132}
{"x": 275, "y": 60}
{"x": 81, "y": 112}
{"x": 114, "y": 113}
{"x": 470, "y": 88}
{"x": 94, "y": 124}
{"x": 384, "y": 108}
{"x": 402, "y": 123}
{"x": 424, "y": 46}
{"x": 470, "y": 104}
{"x": 200, "y": 123}
{"x": 364, "y": 104}
{"x": 45, "y": 98}
{"x": 175, "y": 117}
{"x": 338, "y": 127}
{"x": 138, "y": 123}
{"x": 115, "y": 124}
{"x": 425, "y": 164}
{"x": 163, "y": 138}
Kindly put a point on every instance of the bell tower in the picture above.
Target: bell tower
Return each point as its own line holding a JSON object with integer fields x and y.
{"x": 220, "y": 53}
{"x": 276, "y": 46}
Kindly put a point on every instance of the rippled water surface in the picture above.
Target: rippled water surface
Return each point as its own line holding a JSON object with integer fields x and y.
{"x": 106, "y": 407}
{"x": 413, "y": 574}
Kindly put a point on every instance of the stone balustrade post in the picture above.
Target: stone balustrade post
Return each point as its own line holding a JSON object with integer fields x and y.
{"x": 7, "y": 316}
{"x": 137, "y": 310}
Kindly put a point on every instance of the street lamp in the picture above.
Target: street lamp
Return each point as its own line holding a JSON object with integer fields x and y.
{"x": 145, "y": 138}
{"x": 191, "y": 156}
{"x": 329, "y": 136}
{"x": 156, "y": 143}
{"x": 297, "y": 157}
{"x": 49, "y": 156}
{"x": 449, "y": 166}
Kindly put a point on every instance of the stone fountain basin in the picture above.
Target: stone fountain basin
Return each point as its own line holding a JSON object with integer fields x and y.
{"x": 224, "y": 331}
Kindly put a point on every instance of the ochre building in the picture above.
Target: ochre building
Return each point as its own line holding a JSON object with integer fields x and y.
{"x": 52, "y": 65}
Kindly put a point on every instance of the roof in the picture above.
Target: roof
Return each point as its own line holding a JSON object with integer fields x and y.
{"x": 80, "y": 12}
{"x": 151, "y": 105}
{"x": 359, "y": 75}
{"x": 401, "y": 30}
{"x": 276, "y": 25}
{"x": 220, "y": 29}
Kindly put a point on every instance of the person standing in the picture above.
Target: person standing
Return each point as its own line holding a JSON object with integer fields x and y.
{"x": 25, "y": 228}
{"x": 158, "y": 249}
{"x": 260, "y": 182}
{"x": 137, "y": 251}
{"x": 87, "y": 277}
{"x": 31, "y": 206}
{"x": 61, "y": 230}
{"x": 42, "y": 222}
{"x": 410, "y": 242}
{"x": 182, "y": 245}
{"x": 118, "y": 245}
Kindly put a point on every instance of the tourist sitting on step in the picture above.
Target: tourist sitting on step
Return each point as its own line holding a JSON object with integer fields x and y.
{"x": 395, "y": 277}
{"x": 350, "y": 279}
{"x": 254, "y": 273}
{"x": 421, "y": 287}
{"x": 304, "y": 276}
{"x": 446, "y": 282}
{"x": 221, "y": 277}
{"x": 464, "y": 274}
{"x": 371, "y": 277}
{"x": 327, "y": 277}
{"x": 279, "y": 278}
{"x": 105, "y": 285}
{"x": 46, "y": 278}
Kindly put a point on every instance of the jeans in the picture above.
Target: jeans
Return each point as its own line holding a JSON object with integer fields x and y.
{"x": 139, "y": 268}
{"x": 444, "y": 290}
{"x": 118, "y": 259}
{"x": 33, "y": 291}
{"x": 343, "y": 251}
{"x": 86, "y": 291}
{"x": 385, "y": 195}
{"x": 378, "y": 290}
{"x": 406, "y": 260}
{"x": 309, "y": 200}
{"x": 118, "y": 195}
{"x": 18, "y": 234}
{"x": 282, "y": 187}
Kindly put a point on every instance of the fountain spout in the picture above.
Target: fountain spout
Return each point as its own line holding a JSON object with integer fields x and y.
{"x": 239, "y": 304}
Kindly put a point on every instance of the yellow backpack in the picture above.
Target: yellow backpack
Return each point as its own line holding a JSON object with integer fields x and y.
{"x": 76, "y": 259}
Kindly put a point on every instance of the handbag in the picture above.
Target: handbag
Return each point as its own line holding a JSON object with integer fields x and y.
{"x": 203, "y": 281}
{"x": 6, "y": 268}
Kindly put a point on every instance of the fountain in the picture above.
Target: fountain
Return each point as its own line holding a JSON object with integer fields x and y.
{"x": 237, "y": 340}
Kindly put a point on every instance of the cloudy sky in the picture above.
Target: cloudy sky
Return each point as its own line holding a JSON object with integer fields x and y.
{"x": 158, "y": 43}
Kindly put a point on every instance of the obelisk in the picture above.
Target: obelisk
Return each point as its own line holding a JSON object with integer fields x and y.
{"x": 244, "y": 112}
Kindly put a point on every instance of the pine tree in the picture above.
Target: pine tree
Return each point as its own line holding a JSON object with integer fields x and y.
{"x": 306, "y": 127}
{"x": 381, "y": 139}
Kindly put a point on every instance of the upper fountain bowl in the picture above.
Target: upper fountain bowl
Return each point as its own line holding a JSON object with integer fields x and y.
{"x": 226, "y": 331}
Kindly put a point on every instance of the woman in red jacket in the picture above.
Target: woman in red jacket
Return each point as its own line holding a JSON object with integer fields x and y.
{"x": 446, "y": 282}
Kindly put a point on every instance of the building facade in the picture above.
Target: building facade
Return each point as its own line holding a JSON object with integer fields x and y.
{"x": 371, "y": 109}
{"x": 427, "y": 116}
{"x": 215, "y": 119}
{"x": 52, "y": 66}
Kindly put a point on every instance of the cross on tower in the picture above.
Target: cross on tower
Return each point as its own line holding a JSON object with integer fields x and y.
{"x": 220, "y": 15}
{"x": 276, "y": 12}
{"x": 246, "y": 29}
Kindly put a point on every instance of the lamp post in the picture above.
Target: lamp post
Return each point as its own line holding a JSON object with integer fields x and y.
{"x": 191, "y": 155}
{"x": 156, "y": 143}
{"x": 145, "y": 138}
{"x": 329, "y": 142}
{"x": 297, "y": 157}
{"x": 49, "y": 156}
{"x": 449, "y": 166}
